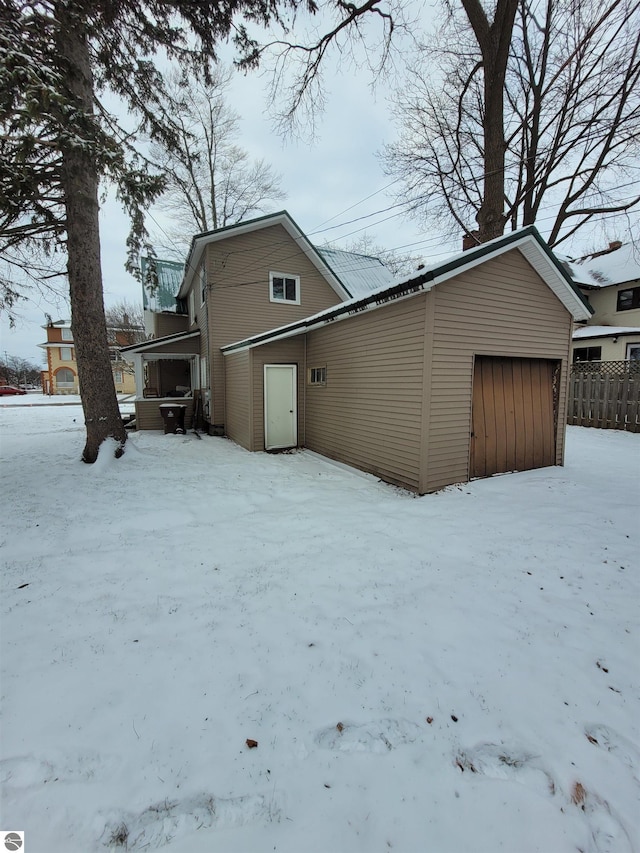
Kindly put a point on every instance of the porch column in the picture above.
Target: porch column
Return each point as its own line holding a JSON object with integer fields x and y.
{"x": 139, "y": 374}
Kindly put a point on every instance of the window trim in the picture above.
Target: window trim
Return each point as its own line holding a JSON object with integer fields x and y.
{"x": 64, "y": 383}
{"x": 66, "y": 334}
{"x": 587, "y": 349}
{"x": 203, "y": 285}
{"x": 317, "y": 376}
{"x": 630, "y": 347}
{"x": 635, "y": 298}
{"x": 284, "y": 277}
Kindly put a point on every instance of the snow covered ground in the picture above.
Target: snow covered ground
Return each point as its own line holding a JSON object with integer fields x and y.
{"x": 449, "y": 674}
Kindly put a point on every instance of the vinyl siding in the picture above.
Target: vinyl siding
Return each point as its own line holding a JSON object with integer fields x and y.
{"x": 238, "y": 408}
{"x": 166, "y": 323}
{"x": 369, "y": 413}
{"x": 290, "y": 351}
{"x": 148, "y": 412}
{"x": 610, "y": 351}
{"x": 502, "y": 308}
{"x": 604, "y": 303}
{"x": 238, "y": 275}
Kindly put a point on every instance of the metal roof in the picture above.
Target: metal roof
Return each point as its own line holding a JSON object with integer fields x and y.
{"x": 360, "y": 274}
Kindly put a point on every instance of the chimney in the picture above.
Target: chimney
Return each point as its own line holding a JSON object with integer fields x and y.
{"x": 470, "y": 240}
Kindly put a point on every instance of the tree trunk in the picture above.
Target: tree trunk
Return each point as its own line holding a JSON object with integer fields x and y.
{"x": 80, "y": 184}
{"x": 494, "y": 41}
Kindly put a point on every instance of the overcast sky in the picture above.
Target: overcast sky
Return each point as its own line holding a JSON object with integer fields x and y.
{"x": 329, "y": 182}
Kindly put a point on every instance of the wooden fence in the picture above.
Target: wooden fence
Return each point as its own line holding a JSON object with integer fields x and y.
{"x": 605, "y": 394}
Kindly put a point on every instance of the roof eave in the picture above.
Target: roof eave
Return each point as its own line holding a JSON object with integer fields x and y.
{"x": 199, "y": 241}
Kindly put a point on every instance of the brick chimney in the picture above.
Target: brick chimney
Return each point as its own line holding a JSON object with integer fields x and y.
{"x": 470, "y": 240}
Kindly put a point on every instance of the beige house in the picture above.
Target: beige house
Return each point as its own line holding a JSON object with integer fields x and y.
{"x": 610, "y": 281}
{"x": 457, "y": 372}
{"x": 61, "y": 373}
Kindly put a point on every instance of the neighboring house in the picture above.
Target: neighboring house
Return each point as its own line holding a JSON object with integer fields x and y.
{"x": 610, "y": 281}
{"x": 61, "y": 373}
{"x": 456, "y": 372}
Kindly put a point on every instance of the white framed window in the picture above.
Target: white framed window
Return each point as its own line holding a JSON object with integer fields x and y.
{"x": 118, "y": 376}
{"x": 192, "y": 307}
{"x": 633, "y": 352}
{"x": 66, "y": 354}
{"x": 284, "y": 288}
{"x": 317, "y": 375}
{"x": 67, "y": 334}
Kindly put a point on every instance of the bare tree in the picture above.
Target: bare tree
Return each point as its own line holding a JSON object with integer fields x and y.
{"x": 128, "y": 318}
{"x": 210, "y": 181}
{"x": 15, "y": 370}
{"x": 570, "y": 123}
{"x": 58, "y": 139}
{"x": 396, "y": 262}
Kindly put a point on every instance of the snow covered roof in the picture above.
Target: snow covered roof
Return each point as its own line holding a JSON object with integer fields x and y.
{"x": 615, "y": 267}
{"x": 604, "y": 332}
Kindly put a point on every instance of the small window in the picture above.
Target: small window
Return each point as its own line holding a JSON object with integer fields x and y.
{"x": 118, "y": 377}
{"x": 203, "y": 285}
{"x": 66, "y": 354}
{"x": 633, "y": 352}
{"x": 67, "y": 334}
{"x": 587, "y": 354}
{"x": 317, "y": 376}
{"x": 628, "y": 299}
{"x": 284, "y": 288}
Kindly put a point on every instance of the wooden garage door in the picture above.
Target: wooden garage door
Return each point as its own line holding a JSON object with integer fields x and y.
{"x": 512, "y": 416}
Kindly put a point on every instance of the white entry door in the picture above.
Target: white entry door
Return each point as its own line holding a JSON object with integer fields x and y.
{"x": 280, "y": 416}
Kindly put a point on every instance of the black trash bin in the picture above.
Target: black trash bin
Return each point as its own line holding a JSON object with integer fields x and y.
{"x": 173, "y": 417}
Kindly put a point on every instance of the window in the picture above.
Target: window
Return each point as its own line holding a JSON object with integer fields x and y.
{"x": 284, "y": 288}
{"x": 628, "y": 299}
{"x": 633, "y": 352}
{"x": 587, "y": 354}
{"x": 65, "y": 378}
{"x": 317, "y": 376}
{"x": 66, "y": 354}
{"x": 203, "y": 372}
{"x": 203, "y": 285}
{"x": 118, "y": 377}
{"x": 67, "y": 335}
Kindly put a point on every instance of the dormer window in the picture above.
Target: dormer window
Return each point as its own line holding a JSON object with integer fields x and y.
{"x": 284, "y": 288}
{"x": 67, "y": 334}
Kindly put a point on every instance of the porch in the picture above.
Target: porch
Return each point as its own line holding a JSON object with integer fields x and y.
{"x": 167, "y": 370}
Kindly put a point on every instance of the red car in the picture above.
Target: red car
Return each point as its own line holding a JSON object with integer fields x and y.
{"x": 10, "y": 389}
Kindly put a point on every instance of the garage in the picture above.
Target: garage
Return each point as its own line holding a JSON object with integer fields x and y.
{"x": 513, "y": 415}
